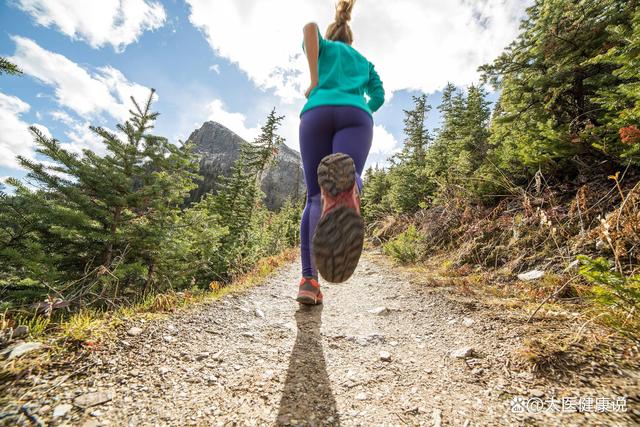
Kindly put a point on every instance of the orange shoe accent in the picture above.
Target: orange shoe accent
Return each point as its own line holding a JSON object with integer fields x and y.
{"x": 349, "y": 199}
{"x": 313, "y": 282}
{"x": 311, "y": 295}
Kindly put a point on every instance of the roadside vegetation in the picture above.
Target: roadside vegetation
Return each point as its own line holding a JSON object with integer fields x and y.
{"x": 89, "y": 240}
{"x": 545, "y": 182}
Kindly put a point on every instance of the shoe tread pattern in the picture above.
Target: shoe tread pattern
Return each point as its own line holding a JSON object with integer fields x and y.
{"x": 339, "y": 236}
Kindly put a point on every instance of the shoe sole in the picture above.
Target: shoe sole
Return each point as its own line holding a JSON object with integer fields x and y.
{"x": 339, "y": 236}
{"x": 308, "y": 300}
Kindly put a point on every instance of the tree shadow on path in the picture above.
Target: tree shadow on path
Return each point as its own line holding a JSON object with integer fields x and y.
{"x": 307, "y": 397}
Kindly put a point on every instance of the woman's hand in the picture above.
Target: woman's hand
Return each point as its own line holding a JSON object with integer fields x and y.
{"x": 311, "y": 87}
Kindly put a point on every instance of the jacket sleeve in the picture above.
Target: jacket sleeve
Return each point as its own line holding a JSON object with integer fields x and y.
{"x": 375, "y": 90}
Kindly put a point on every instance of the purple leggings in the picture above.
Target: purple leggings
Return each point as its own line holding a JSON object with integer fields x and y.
{"x": 326, "y": 130}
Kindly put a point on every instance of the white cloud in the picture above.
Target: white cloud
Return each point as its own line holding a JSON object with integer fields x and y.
{"x": 217, "y": 112}
{"x": 383, "y": 141}
{"x": 105, "y": 91}
{"x": 414, "y": 44}
{"x": 114, "y": 22}
{"x": 216, "y": 68}
{"x": 79, "y": 136}
{"x": 15, "y": 138}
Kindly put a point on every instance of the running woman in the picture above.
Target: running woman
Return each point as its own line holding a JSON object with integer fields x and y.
{"x": 336, "y": 130}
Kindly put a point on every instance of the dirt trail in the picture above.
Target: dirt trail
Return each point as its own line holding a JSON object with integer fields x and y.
{"x": 256, "y": 358}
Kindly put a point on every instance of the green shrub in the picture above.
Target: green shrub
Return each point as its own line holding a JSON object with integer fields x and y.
{"x": 407, "y": 247}
{"x": 618, "y": 292}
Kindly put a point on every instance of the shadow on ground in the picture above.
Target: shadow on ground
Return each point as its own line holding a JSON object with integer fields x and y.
{"x": 307, "y": 394}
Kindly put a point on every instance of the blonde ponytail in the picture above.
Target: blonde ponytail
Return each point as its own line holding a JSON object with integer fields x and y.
{"x": 339, "y": 30}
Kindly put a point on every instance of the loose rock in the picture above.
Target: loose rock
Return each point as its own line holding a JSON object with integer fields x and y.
{"x": 463, "y": 353}
{"x": 531, "y": 275}
{"x": 385, "y": 356}
{"x": 468, "y": 322}
{"x": 61, "y": 410}
{"x": 437, "y": 417}
{"x": 361, "y": 396}
{"x": 22, "y": 349}
{"x": 202, "y": 355}
{"x": 20, "y": 331}
{"x": 536, "y": 392}
{"x": 92, "y": 399}
{"x": 134, "y": 331}
{"x": 379, "y": 310}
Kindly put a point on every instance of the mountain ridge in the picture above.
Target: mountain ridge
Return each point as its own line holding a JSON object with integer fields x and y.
{"x": 219, "y": 147}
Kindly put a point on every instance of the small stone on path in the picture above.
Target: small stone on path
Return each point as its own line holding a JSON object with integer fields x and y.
{"x": 361, "y": 396}
{"x": 168, "y": 338}
{"x": 385, "y": 356}
{"x": 468, "y": 322}
{"x": 536, "y": 392}
{"x": 462, "y": 353}
{"x": 92, "y": 399}
{"x": 259, "y": 313}
{"x": 437, "y": 417}
{"x": 135, "y": 331}
{"x": 378, "y": 310}
{"x": 62, "y": 410}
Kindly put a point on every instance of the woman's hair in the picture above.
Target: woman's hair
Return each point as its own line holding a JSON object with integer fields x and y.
{"x": 339, "y": 29}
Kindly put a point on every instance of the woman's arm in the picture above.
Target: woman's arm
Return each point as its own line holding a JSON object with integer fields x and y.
{"x": 375, "y": 90}
{"x": 312, "y": 49}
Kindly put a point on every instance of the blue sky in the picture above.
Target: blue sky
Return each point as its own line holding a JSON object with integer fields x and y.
{"x": 224, "y": 60}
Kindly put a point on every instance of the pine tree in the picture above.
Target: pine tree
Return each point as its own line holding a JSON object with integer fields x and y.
{"x": 22, "y": 257}
{"x": 549, "y": 86}
{"x": 239, "y": 197}
{"x": 111, "y": 215}
{"x": 622, "y": 102}
{"x": 411, "y": 184}
{"x": 446, "y": 150}
{"x": 375, "y": 194}
{"x": 7, "y": 67}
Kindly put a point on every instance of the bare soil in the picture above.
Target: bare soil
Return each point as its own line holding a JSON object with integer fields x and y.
{"x": 258, "y": 358}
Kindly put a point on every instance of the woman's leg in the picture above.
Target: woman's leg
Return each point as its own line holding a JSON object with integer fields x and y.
{"x": 339, "y": 234}
{"x": 354, "y": 134}
{"x": 316, "y": 133}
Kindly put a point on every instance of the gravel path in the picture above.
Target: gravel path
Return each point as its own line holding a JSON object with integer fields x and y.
{"x": 379, "y": 352}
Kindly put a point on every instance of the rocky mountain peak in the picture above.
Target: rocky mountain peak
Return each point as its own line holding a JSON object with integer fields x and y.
{"x": 219, "y": 148}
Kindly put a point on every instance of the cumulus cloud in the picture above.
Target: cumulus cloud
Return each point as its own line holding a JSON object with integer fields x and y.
{"x": 383, "y": 141}
{"x": 78, "y": 135}
{"x": 415, "y": 44}
{"x": 15, "y": 138}
{"x": 216, "y": 111}
{"x": 114, "y": 22}
{"x": 105, "y": 91}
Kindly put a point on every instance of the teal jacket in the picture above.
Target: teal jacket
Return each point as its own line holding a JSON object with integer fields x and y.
{"x": 344, "y": 77}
